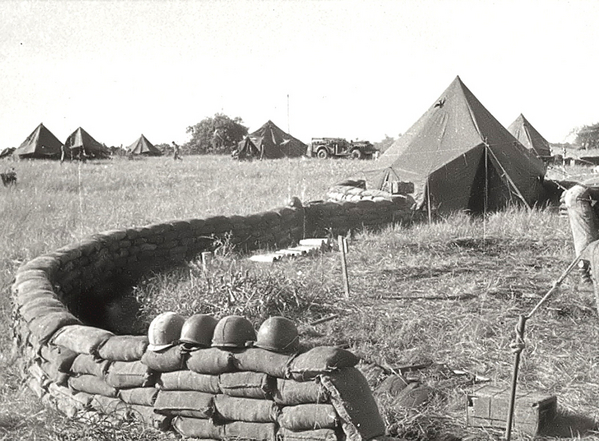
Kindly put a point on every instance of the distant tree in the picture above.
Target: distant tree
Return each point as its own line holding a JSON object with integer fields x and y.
{"x": 219, "y": 134}
{"x": 165, "y": 148}
{"x": 588, "y": 137}
{"x": 385, "y": 143}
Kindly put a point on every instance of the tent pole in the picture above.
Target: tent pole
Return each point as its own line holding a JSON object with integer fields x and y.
{"x": 428, "y": 201}
{"x": 486, "y": 198}
{"x": 511, "y": 182}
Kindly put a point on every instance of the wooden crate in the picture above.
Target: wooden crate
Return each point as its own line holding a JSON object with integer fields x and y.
{"x": 489, "y": 407}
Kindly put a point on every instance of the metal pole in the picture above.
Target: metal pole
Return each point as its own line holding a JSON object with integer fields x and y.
{"x": 343, "y": 250}
{"x": 518, "y": 350}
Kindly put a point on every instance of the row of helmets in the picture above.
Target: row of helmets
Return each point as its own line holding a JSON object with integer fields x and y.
{"x": 277, "y": 334}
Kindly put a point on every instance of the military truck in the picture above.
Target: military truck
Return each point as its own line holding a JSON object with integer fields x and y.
{"x": 341, "y": 148}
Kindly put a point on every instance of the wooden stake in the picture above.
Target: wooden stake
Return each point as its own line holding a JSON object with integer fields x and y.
{"x": 343, "y": 250}
{"x": 206, "y": 260}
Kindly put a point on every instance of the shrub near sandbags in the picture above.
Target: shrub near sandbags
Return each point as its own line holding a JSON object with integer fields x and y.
{"x": 320, "y": 360}
{"x": 188, "y": 380}
{"x": 247, "y": 384}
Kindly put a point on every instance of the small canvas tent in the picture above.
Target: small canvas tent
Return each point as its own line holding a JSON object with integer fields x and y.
{"x": 459, "y": 157}
{"x": 246, "y": 149}
{"x": 143, "y": 147}
{"x": 82, "y": 143}
{"x": 528, "y": 136}
{"x": 273, "y": 143}
{"x": 40, "y": 144}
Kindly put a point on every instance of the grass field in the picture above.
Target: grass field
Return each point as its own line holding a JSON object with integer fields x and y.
{"x": 419, "y": 296}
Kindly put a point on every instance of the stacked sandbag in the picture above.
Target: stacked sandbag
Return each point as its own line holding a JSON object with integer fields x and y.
{"x": 357, "y": 212}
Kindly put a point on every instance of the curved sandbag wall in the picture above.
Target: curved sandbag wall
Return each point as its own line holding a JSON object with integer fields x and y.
{"x": 73, "y": 362}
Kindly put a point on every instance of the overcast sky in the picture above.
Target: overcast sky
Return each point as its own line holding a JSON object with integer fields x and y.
{"x": 353, "y": 69}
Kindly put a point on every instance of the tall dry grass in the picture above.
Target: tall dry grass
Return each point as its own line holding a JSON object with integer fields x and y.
{"x": 446, "y": 295}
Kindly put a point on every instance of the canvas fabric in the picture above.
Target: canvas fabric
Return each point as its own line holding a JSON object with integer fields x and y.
{"x": 41, "y": 143}
{"x": 459, "y": 157}
{"x": 529, "y": 137}
{"x": 308, "y": 417}
{"x": 273, "y": 143}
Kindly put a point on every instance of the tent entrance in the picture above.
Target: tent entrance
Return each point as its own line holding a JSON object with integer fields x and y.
{"x": 489, "y": 191}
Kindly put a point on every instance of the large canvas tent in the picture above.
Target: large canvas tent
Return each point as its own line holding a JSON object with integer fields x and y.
{"x": 40, "y": 144}
{"x": 82, "y": 143}
{"x": 272, "y": 142}
{"x": 528, "y": 136}
{"x": 143, "y": 147}
{"x": 459, "y": 157}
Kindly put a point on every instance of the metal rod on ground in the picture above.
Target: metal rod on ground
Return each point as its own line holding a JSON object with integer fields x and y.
{"x": 519, "y": 346}
{"x": 343, "y": 250}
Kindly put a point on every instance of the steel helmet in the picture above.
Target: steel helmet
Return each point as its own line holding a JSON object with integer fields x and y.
{"x": 278, "y": 334}
{"x": 164, "y": 331}
{"x": 198, "y": 330}
{"x": 233, "y": 331}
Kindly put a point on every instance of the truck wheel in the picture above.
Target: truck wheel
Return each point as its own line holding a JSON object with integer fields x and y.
{"x": 322, "y": 154}
{"x": 356, "y": 154}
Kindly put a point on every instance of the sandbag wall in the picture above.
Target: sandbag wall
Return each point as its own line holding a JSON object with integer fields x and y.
{"x": 57, "y": 295}
{"x": 208, "y": 393}
{"x": 356, "y": 209}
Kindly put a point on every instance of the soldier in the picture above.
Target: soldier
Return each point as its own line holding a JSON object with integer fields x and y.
{"x": 580, "y": 202}
{"x": 176, "y": 151}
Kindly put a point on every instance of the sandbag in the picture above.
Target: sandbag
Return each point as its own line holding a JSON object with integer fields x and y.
{"x": 354, "y": 403}
{"x": 128, "y": 374}
{"x": 198, "y": 428}
{"x": 168, "y": 360}
{"x": 291, "y": 392}
{"x": 34, "y": 304}
{"x": 92, "y": 385}
{"x": 88, "y": 364}
{"x": 146, "y": 415}
{"x": 23, "y": 298}
{"x": 144, "y": 396}
{"x": 53, "y": 374}
{"x": 123, "y": 348}
{"x": 212, "y": 361}
{"x": 184, "y": 403}
{"x": 261, "y": 360}
{"x": 320, "y": 360}
{"x": 245, "y": 409}
{"x": 45, "y": 326}
{"x": 307, "y": 435}
{"x": 308, "y": 417}
{"x": 84, "y": 399}
{"x": 247, "y": 384}
{"x": 250, "y": 431}
{"x": 110, "y": 406}
{"x": 61, "y": 357}
{"x": 29, "y": 314}
{"x": 189, "y": 380}
{"x": 80, "y": 338}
